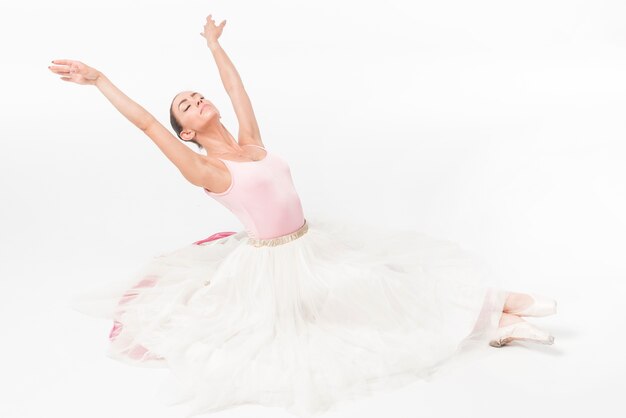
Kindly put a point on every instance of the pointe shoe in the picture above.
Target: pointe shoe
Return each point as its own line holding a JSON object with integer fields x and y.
{"x": 541, "y": 306}
{"x": 521, "y": 331}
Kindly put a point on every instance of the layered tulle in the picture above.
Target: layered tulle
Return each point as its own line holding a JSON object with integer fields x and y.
{"x": 339, "y": 313}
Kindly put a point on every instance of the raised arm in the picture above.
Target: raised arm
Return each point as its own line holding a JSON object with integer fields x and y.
{"x": 249, "y": 132}
{"x": 187, "y": 161}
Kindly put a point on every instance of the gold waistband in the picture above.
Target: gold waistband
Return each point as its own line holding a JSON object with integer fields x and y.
{"x": 272, "y": 242}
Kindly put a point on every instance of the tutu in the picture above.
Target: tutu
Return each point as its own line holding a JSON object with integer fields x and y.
{"x": 327, "y": 312}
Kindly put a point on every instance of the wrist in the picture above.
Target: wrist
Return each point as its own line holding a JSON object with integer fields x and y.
{"x": 99, "y": 79}
{"x": 213, "y": 45}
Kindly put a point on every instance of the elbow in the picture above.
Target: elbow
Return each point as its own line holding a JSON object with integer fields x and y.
{"x": 145, "y": 123}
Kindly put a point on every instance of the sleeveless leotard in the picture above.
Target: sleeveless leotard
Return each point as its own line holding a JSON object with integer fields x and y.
{"x": 262, "y": 196}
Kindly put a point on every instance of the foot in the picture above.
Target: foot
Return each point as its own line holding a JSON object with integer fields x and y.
{"x": 520, "y": 330}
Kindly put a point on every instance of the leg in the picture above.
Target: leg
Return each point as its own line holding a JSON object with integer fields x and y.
{"x": 517, "y": 301}
{"x": 524, "y": 330}
{"x": 514, "y": 301}
{"x": 507, "y": 319}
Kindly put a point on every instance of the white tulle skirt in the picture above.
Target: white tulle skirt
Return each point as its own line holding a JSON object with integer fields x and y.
{"x": 339, "y": 313}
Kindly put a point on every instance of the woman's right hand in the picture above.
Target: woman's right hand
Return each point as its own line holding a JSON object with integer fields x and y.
{"x": 75, "y": 71}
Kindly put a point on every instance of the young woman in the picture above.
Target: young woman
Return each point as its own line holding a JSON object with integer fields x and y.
{"x": 291, "y": 311}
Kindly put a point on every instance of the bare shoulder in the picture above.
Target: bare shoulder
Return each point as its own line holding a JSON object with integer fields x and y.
{"x": 251, "y": 141}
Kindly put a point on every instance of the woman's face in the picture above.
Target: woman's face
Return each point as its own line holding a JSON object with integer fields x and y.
{"x": 193, "y": 111}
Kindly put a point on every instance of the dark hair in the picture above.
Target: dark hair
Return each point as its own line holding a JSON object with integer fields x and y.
{"x": 178, "y": 128}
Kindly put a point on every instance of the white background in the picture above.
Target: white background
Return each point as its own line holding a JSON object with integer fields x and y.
{"x": 498, "y": 125}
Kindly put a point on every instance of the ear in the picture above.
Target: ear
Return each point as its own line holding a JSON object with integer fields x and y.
{"x": 187, "y": 134}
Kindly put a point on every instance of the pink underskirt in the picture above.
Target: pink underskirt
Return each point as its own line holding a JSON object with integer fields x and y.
{"x": 138, "y": 352}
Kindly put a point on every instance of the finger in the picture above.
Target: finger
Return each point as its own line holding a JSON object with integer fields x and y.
{"x": 63, "y": 62}
{"x": 62, "y": 72}
{"x": 66, "y": 79}
{"x": 58, "y": 68}
{"x": 223, "y": 23}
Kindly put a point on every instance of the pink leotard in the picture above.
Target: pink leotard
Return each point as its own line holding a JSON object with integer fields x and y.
{"x": 262, "y": 196}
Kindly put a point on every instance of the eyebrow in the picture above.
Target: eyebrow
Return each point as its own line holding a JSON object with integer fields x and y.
{"x": 184, "y": 100}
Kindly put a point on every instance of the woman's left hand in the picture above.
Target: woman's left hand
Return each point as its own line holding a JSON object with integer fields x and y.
{"x": 211, "y": 31}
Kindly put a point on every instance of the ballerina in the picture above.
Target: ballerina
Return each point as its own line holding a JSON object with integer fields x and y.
{"x": 291, "y": 311}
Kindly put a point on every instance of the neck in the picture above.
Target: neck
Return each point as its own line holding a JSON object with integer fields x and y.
{"x": 215, "y": 138}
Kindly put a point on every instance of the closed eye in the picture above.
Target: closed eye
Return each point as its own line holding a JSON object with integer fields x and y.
{"x": 202, "y": 98}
